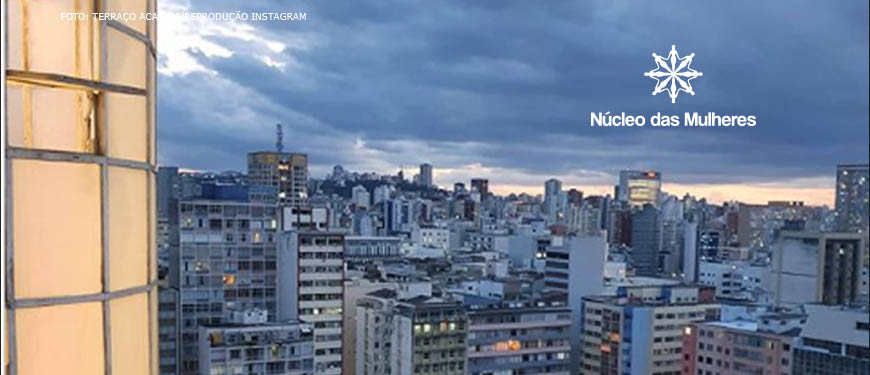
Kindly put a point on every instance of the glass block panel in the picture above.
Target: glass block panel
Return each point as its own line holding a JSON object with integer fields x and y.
{"x": 15, "y": 114}
{"x": 130, "y": 334}
{"x": 128, "y": 225}
{"x": 127, "y": 126}
{"x": 57, "y": 228}
{"x": 57, "y": 45}
{"x": 129, "y": 6}
{"x": 60, "y": 339}
{"x": 14, "y": 57}
{"x": 60, "y": 119}
{"x": 126, "y": 56}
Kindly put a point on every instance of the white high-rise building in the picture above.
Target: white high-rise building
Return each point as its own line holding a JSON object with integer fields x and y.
{"x": 383, "y": 193}
{"x": 361, "y": 197}
{"x": 313, "y": 265}
{"x": 575, "y": 266}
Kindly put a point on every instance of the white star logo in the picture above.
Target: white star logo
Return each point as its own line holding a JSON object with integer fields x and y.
{"x": 673, "y": 74}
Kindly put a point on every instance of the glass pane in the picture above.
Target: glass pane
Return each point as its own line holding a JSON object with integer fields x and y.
{"x": 128, "y": 224}
{"x": 14, "y": 35}
{"x": 60, "y": 119}
{"x": 53, "y": 45}
{"x": 61, "y": 339}
{"x": 130, "y": 334}
{"x": 62, "y": 199}
{"x": 15, "y": 114}
{"x": 126, "y": 122}
{"x": 125, "y": 60}
{"x": 129, "y": 6}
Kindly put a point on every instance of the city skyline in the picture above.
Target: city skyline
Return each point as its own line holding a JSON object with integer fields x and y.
{"x": 504, "y": 92}
{"x": 333, "y": 190}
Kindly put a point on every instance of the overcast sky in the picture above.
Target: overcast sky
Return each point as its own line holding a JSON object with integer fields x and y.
{"x": 504, "y": 90}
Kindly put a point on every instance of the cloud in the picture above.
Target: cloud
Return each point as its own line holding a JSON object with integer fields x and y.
{"x": 505, "y": 89}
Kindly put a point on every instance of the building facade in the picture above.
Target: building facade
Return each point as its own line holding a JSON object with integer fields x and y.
{"x": 574, "y": 267}
{"x": 735, "y": 347}
{"x": 227, "y": 260}
{"x": 834, "y": 341}
{"x": 646, "y": 241}
{"x": 286, "y": 171}
{"x": 419, "y": 335}
{"x": 320, "y": 292}
{"x": 818, "y": 268}
{"x": 426, "y": 174}
{"x": 169, "y": 314}
{"x": 81, "y": 165}
{"x": 853, "y": 191}
{"x": 639, "y": 331}
{"x": 256, "y": 348}
{"x": 371, "y": 248}
{"x": 519, "y": 340}
{"x": 640, "y": 188}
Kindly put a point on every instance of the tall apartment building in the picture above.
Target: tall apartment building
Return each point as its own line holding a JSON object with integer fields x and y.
{"x": 646, "y": 240}
{"x": 817, "y": 268}
{"x": 426, "y": 174}
{"x": 639, "y": 331}
{"x": 312, "y": 264}
{"x": 555, "y": 201}
{"x": 378, "y": 336}
{"x": 287, "y": 172}
{"x": 519, "y": 340}
{"x": 738, "y": 347}
{"x": 420, "y": 335}
{"x": 834, "y": 341}
{"x": 169, "y": 325}
{"x": 80, "y": 161}
{"x": 227, "y": 260}
{"x": 852, "y": 202}
{"x": 640, "y": 188}
{"x": 480, "y": 185}
{"x": 360, "y": 197}
{"x": 246, "y": 343}
{"x": 574, "y": 266}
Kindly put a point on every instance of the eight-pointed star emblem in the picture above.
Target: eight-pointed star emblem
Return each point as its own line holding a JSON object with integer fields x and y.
{"x": 673, "y": 74}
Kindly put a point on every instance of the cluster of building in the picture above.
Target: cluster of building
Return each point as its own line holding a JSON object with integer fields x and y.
{"x": 274, "y": 272}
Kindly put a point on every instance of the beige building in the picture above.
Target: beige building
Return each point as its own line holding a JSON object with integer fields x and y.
{"x": 287, "y": 172}
{"x": 80, "y": 163}
{"x": 639, "y": 330}
{"x": 736, "y": 347}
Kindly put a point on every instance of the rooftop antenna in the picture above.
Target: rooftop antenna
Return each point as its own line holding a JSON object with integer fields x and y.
{"x": 279, "y": 143}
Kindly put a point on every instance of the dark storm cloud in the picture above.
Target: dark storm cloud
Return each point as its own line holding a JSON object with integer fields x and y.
{"x": 511, "y": 84}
